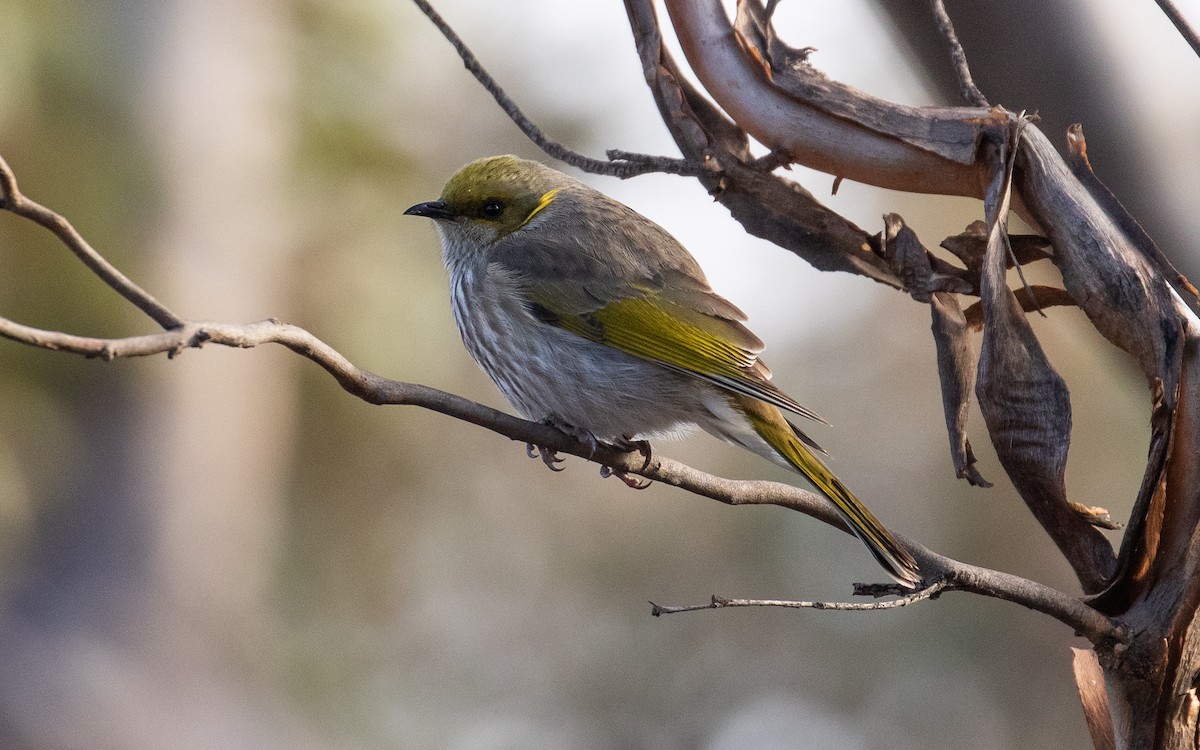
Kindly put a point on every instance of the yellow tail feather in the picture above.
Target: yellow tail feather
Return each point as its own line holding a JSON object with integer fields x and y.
{"x": 772, "y": 427}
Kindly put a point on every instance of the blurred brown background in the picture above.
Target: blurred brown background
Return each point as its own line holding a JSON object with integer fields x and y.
{"x": 225, "y": 550}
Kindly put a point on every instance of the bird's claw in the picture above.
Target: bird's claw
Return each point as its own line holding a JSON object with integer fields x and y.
{"x": 551, "y": 458}
{"x": 632, "y": 481}
{"x": 548, "y": 455}
{"x": 641, "y": 446}
{"x": 582, "y": 435}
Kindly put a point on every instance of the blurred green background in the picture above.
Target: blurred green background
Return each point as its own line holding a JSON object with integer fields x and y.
{"x": 225, "y": 550}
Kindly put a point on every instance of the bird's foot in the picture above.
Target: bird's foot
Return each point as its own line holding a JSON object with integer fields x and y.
{"x": 548, "y": 455}
{"x": 630, "y": 480}
{"x": 579, "y": 433}
{"x": 629, "y": 445}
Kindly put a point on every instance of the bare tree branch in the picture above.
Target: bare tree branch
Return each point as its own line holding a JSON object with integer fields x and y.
{"x": 720, "y": 602}
{"x": 766, "y": 204}
{"x": 1089, "y": 679}
{"x": 623, "y": 164}
{"x": 957, "y": 576}
{"x": 1185, "y": 30}
{"x": 379, "y": 390}
{"x": 12, "y": 200}
{"x": 1108, "y": 271}
{"x": 966, "y": 84}
{"x": 824, "y": 124}
{"x": 841, "y": 130}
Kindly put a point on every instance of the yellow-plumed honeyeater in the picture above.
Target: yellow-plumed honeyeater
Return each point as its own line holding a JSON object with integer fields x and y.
{"x": 591, "y": 317}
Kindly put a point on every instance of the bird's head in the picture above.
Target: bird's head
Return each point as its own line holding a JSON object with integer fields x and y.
{"x": 490, "y": 199}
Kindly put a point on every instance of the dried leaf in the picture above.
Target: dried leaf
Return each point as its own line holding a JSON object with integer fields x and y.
{"x": 1081, "y": 166}
{"x": 1125, "y": 296}
{"x": 1036, "y": 297}
{"x": 1025, "y": 402}
{"x": 921, "y": 272}
{"x": 1096, "y": 516}
{"x": 970, "y": 246}
{"x": 907, "y": 257}
{"x": 956, "y": 371}
{"x": 956, "y": 362}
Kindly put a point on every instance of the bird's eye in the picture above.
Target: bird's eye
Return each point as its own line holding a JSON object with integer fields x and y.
{"x": 493, "y": 209}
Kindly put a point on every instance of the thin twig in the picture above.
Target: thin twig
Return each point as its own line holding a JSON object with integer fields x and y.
{"x": 1185, "y": 30}
{"x": 774, "y": 160}
{"x": 628, "y": 164}
{"x": 1010, "y": 162}
{"x": 11, "y": 199}
{"x": 720, "y": 602}
{"x": 665, "y": 164}
{"x": 966, "y": 84}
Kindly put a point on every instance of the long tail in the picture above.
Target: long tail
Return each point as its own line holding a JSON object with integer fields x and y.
{"x": 789, "y": 443}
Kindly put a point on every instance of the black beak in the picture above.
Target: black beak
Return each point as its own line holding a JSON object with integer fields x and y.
{"x": 431, "y": 209}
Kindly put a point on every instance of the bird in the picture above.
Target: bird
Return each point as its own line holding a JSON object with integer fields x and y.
{"x": 592, "y": 318}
